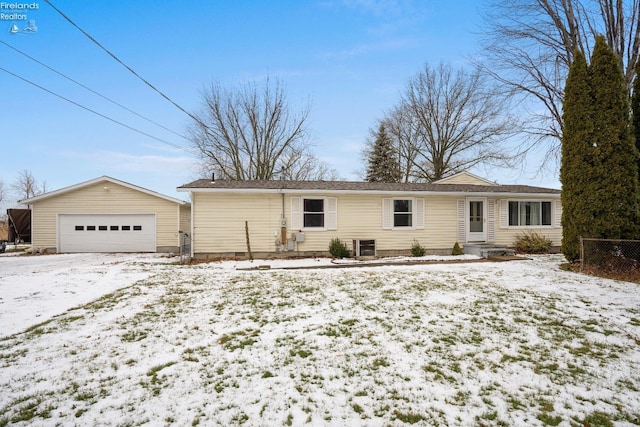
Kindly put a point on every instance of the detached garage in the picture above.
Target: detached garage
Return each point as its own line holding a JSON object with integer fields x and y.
{"x": 107, "y": 215}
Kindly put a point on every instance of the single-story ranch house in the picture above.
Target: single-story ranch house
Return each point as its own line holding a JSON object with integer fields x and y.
{"x": 107, "y": 215}
{"x": 301, "y": 217}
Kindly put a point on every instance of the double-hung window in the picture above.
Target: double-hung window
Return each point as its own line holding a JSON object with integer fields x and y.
{"x": 316, "y": 213}
{"x": 313, "y": 213}
{"x": 529, "y": 213}
{"x": 402, "y": 213}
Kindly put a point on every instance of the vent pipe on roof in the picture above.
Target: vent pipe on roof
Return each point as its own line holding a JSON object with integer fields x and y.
{"x": 213, "y": 177}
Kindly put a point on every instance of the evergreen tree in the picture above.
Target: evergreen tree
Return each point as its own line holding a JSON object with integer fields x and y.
{"x": 635, "y": 111}
{"x": 575, "y": 165}
{"x": 383, "y": 159}
{"x": 612, "y": 190}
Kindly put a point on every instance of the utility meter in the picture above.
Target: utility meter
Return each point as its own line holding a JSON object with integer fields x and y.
{"x": 283, "y": 222}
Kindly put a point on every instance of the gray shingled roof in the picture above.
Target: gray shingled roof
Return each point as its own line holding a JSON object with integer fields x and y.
{"x": 353, "y": 186}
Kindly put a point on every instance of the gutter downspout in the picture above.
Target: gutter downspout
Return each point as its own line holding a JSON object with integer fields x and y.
{"x": 283, "y": 224}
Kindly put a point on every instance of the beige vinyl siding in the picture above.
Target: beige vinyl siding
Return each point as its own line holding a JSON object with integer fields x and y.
{"x": 219, "y": 222}
{"x": 506, "y": 235}
{"x": 360, "y": 217}
{"x": 104, "y": 197}
{"x": 185, "y": 218}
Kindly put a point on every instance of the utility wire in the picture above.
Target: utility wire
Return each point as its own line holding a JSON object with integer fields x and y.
{"x": 91, "y": 90}
{"x": 93, "y": 111}
{"x": 123, "y": 64}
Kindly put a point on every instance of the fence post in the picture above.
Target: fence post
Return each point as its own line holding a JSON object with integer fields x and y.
{"x": 581, "y": 254}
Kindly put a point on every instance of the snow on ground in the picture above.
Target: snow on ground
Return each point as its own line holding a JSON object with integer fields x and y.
{"x": 509, "y": 343}
{"x": 35, "y": 288}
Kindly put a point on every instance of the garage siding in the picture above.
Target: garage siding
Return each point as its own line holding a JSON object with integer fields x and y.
{"x": 103, "y": 197}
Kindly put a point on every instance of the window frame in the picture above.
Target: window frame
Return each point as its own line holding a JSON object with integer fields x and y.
{"x": 411, "y": 213}
{"x": 304, "y": 213}
{"x": 418, "y": 213}
{"x": 518, "y": 213}
{"x": 297, "y": 212}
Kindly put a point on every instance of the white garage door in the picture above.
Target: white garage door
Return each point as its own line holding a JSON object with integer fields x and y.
{"x": 107, "y": 233}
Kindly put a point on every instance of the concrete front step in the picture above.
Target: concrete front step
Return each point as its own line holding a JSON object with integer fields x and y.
{"x": 486, "y": 250}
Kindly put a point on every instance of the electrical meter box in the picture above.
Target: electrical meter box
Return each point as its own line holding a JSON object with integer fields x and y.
{"x": 298, "y": 236}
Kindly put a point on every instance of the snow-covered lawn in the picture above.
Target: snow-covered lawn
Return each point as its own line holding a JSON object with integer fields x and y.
{"x": 515, "y": 343}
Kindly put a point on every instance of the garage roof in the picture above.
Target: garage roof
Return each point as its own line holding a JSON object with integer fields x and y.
{"x": 98, "y": 181}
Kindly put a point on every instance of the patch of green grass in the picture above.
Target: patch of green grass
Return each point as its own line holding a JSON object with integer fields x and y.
{"x": 380, "y": 362}
{"x": 154, "y": 370}
{"x": 239, "y": 339}
{"x": 598, "y": 419}
{"x": 39, "y": 329}
{"x": 302, "y": 353}
{"x": 27, "y": 408}
{"x": 549, "y": 419}
{"x": 546, "y": 413}
{"x": 240, "y": 418}
{"x": 408, "y": 417}
{"x": 84, "y": 396}
{"x": 134, "y": 336}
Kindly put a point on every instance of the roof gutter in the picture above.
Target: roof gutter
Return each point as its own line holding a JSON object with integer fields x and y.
{"x": 365, "y": 192}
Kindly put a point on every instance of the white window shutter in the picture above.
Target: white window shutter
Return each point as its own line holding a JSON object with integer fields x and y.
{"x": 387, "y": 214}
{"x": 504, "y": 213}
{"x": 331, "y": 214}
{"x": 491, "y": 220}
{"x": 557, "y": 207}
{"x": 461, "y": 216}
{"x": 419, "y": 214}
{"x": 296, "y": 213}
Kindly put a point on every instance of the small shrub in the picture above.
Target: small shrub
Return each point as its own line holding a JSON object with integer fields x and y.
{"x": 533, "y": 243}
{"x": 416, "y": 249}
{"x": 338, "y": 249}
{"x": 457, "y": 250}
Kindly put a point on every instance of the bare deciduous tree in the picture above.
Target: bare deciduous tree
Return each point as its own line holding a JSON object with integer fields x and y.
{"x": 3, "y": 190}
{"x": 403, "y": 129}
{"x": 252, "y": 133}
{"x": 530, "y": 45}
{"x": 26, "y": 185}
{"x": 450, "y": 121}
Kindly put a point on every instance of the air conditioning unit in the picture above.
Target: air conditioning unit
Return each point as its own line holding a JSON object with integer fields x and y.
{"x": 364, "y": 248}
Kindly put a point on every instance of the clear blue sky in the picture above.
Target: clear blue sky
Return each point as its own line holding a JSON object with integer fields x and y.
{"x": 349, "y": 58}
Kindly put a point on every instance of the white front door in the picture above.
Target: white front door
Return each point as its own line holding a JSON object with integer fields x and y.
{"x": 476, "y": 212}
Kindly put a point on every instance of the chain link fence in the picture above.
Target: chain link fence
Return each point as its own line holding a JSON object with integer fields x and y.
{"x": 609, "y": 255}
{"x": 185, "y": 247}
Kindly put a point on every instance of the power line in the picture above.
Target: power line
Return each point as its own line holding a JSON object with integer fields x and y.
{"x": 91, "y": 90}
{"x": 131, "y": 70}
{"x": 94, "y": 112}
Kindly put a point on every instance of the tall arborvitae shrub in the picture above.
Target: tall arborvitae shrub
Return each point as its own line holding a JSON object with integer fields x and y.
{"x": 635, "y": 113}
{"x": 612, "y": 190}
{"x": 383, "y": 165}
{"x": 575, "y": 165}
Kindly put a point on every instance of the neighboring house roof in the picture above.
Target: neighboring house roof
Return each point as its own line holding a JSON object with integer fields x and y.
{"x": 465, "y": 176}
{"x": 102, "y": 179}
{"x": 206, "y": 185}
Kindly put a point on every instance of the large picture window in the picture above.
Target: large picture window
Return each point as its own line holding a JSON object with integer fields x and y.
{"x": 524, "y": 213}
{"x": 313, "y": 213}
{"x": 402, "y": 213}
